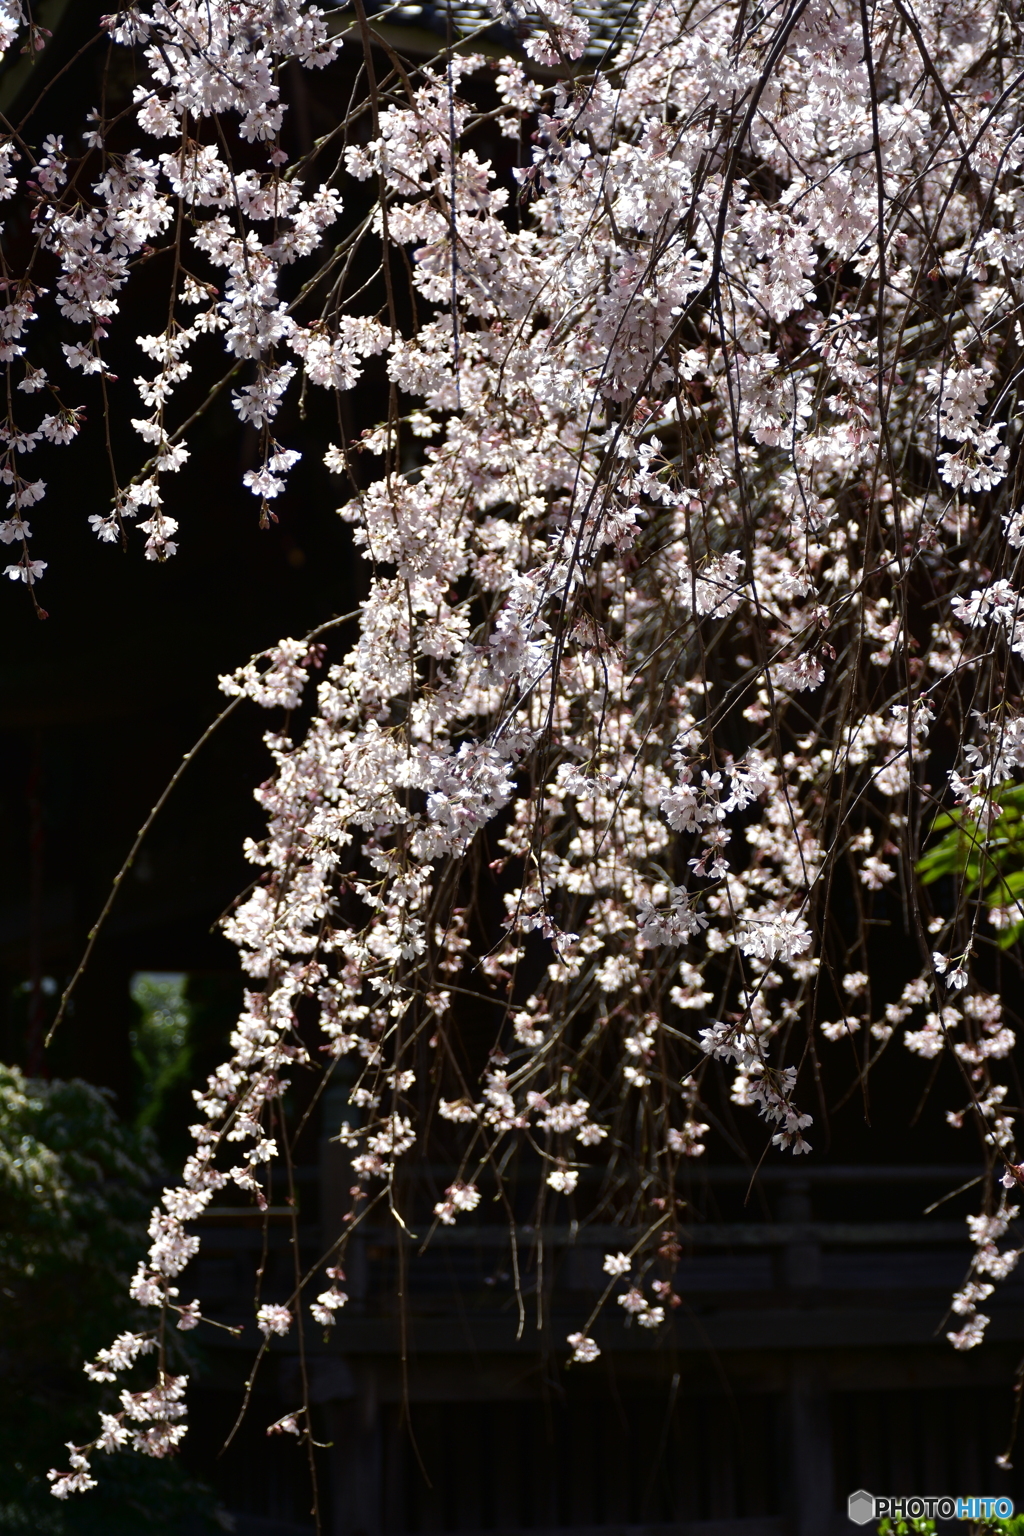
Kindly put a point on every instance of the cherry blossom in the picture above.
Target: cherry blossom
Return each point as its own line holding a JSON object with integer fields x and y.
{"x": 692, "y": 580}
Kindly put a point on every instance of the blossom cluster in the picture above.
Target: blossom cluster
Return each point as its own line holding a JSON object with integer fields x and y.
{"x": 690, "y": 553}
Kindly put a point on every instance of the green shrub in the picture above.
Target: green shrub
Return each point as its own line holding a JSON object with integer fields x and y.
{"x": 76, "y": 1187}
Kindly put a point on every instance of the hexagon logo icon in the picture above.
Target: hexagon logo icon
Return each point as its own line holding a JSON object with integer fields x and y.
{"x": 860, "y": 1506}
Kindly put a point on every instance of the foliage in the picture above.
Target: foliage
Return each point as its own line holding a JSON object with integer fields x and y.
{"x": 74, "y": 1192}
{"x": 988, "y": 857}
{"x": 160, "y": 1041}
{"x": 1012, "y": 1527}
